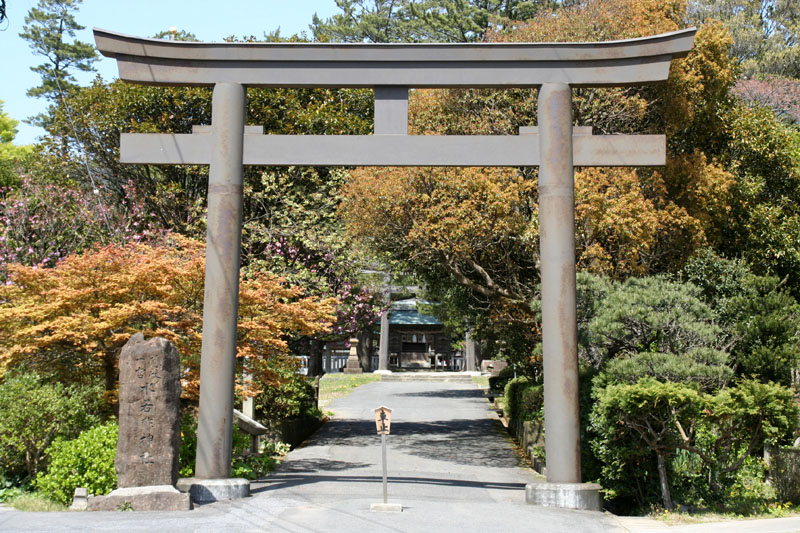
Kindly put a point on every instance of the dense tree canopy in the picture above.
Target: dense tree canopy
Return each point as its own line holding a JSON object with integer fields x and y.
{"x": 766, "y": 33}
{"x": 11, "y": 155}
{"x": 630, "y": 221}
{"x": 388, "y": 21}
{"x": 71, "y": 320}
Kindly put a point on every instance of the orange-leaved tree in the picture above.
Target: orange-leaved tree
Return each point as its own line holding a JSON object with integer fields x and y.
{"x": 629, "y": 221}
{"x": 442, "y": 224}
{"x": 72, "y": 320}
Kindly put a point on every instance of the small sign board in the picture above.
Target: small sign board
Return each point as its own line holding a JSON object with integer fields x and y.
{"x": 383, "y": 420}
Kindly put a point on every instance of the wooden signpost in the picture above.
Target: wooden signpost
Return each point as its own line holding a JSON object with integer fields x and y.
{"x": 383, "y": 423}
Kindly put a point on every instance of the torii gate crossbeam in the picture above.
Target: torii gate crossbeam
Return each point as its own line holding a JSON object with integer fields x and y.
{"x": 391, "y": 69}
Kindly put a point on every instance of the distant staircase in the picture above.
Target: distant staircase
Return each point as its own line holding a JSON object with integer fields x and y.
{"x": 428, "y": 377}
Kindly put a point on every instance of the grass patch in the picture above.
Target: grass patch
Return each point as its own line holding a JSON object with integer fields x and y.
{"x": 767, "y": 510}
{"x": 35, "y": 503}
{"x": 334, "y": 386}
{"x": 481, "y": 381}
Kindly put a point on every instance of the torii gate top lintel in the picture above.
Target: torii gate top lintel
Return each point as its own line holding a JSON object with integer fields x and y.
{"x": 392, "y": 69}
{"x": 606, "y": 63}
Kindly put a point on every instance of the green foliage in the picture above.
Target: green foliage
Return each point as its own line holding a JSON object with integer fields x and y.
{"x": 761, "y": 320}
{"x": 636, "y": 425}
{"x": 243, "y": 463}
{"x": 188, "y": 450}
{"x": 254, "y": 465}
{"x": 639, "y": 429}
{"x": 523, "y": 400}
{"x": 34, "y": 502}
{"x": 765, "y": 333}
{"x": 705, "y": 367}
{"x": 11, "y": 155}
{"x": 175, "y": 194}
{"x": 48, "y": 27}
{"x": 288, "y": 395}
{"x": 763, "y": 218}
{"x": 498, "y": 382}
{"x": 411, "y": 21}
{"x": 33, "y": 413}
{"x": 87, "y": 461}
{"x": 10, "y": 488}
{"x": 765, "y": 32}
{"x": 652, "y": 315}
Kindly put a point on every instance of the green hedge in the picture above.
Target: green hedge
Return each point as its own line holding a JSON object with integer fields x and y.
{"x": 499, "y": 382}
{"x": 523, "y": 400}
{"x": 87, "y": 461}
{"x": 33, "y": 413}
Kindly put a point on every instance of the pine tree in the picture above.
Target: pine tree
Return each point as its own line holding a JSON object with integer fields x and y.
{"x": 48, "y": 27}
{"x": 386, "y": 21}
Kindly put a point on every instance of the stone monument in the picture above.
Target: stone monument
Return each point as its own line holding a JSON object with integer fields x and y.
{"x": 149, "y": 429}
{"x": 353, "y": 365}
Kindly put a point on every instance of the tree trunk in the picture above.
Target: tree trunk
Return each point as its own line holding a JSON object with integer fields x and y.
{"x": 315, "y": 358}
{"x": 363, "y": 349}
{"x": 110, "y": 381}
{"x": 666, "y": 497}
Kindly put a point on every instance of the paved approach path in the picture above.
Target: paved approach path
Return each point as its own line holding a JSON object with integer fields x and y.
{"x": 449, "y": 467}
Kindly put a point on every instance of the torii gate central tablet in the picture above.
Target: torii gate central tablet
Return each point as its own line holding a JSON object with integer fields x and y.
{"x": 391, "y": 69}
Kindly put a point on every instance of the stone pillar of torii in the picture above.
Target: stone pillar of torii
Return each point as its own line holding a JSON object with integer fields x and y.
{"x": 392, "y": 69}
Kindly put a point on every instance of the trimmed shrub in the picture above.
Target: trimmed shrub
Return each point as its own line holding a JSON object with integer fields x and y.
{"x": 87, "y": 461}
{"x": 290, "y": 395}
{"x": 34, "y": 413}
{"x": 523, "y": 400}
{"x": 499, "y": 382}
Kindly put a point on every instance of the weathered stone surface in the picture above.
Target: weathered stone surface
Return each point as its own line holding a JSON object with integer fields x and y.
{"x": 149, "y": 422}
{"x": 214, "y": 490}
{"x": 584, "y": 496}
{"x": 247, "y": 424}
{"x": 80, "y": 500}
{"x": 353, "y": 364}
{"x": 493, "y": 366}
{"x": 158, "y": 498}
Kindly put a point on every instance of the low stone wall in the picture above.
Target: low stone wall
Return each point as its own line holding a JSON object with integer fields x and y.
{"x": 530, "y": 436}
{"x": 292, "y": 431}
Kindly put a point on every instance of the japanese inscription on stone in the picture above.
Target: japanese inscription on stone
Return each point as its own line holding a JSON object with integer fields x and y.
{"x": 149, "y": 403}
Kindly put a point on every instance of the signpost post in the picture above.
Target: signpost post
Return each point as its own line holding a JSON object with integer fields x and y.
{"x": 383, "y": 423}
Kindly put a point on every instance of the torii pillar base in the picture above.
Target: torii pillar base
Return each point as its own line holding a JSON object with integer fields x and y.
{"x": 214, "y": 490}
{"x": 583, "y": 496}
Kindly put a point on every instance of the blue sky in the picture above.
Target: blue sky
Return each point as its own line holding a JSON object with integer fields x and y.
{"x": 210, "y": 20}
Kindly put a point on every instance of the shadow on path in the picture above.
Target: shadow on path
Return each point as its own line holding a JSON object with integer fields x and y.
{"x": 445, "y": 393}
{"x": 462, "y": 441}
{"x": 282, "y": 481}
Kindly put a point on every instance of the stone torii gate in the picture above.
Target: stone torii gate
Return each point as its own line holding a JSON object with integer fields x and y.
{"x": 391, "y": 69}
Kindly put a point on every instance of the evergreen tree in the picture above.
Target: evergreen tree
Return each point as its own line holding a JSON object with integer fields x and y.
{"x": 48, "y": 27}
{"x": 10, "y": 154}
{"x": 766, "y": 33}
{"x": 385, "y": 21}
